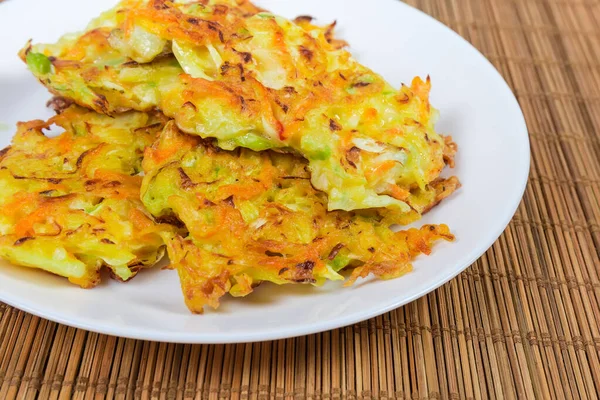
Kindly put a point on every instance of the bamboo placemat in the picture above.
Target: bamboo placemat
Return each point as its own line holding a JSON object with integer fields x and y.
{"x": 522, "y": 322}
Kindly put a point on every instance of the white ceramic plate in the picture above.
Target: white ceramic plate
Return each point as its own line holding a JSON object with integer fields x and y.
{"x": 476, "y": 106}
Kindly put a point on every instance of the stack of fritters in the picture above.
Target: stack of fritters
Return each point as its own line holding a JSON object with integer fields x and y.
{"x": 254, "y": 216}
{"x": 273, "y": 156}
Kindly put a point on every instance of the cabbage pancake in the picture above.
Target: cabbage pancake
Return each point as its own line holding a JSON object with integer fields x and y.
{"x": 256, "y": 80}
{"x": 254, "y": 217}
{"x": 70, "y": 204}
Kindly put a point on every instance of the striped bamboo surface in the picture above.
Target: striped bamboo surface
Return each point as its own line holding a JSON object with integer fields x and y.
{"x": 522, "y": 322}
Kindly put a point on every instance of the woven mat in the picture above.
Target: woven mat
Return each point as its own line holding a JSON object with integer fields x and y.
{"x": 522, "y": 322}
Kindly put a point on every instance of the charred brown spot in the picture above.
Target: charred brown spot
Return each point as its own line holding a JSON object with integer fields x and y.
{"x": 101, "y": 102}
{"x": 339, "y": 221}
{"x": 47, "y": 192}
{"x": 160, "y": 5}
{"x": 329, "y": 32}
{"x": 353, "y": 156}
{"x": 208, "y": 203}
{"x": 246, "y": 57}
{"x": 334, "y": 126}
{"x": 54, "y": 181}
{"x": 283, "y": 270}
{"x": 241, "y": 69}
{"x": 136, "y": 267}
{"x": 230, "y": 262}
{"x": 62, "y": 198}
{"x": 415, "y": 122}
{"x": 334, "y": 252}
{"x": 4, "y": 151}
{"x": 305, "y": 280}
{"x": 81, "y": 157}
{"x": 360, "y": 84}
{"x": 306, "y": 53}
{"x": 289, "y": 90}
{"x": 229, "y": 201}
{"x": 79, "y": 228}
{"x": 130, "y": 63}
{"x": 171, "y": 220}
{"x": 307, "y": 265}
{"x": 23, "y": 240}
{"x": 111, "y": 184}
{"x": 242, "y": 103}
{"x": 190, "y": 105}
{"x": 342, "y": 76}
{"x": 213, "y": 26}
{"x": 58, "y": 104}
{"x": 211, "y": 147}
{"x": 403, "y": 99}
{"x": 114, "y": 276}
{"x": 186, "y": 181}
{"x": 225, "y": 67}
{"x": 221, "y": 38}
{"x": 283, "y": 106}
{"x": 303, "y": 18}
{"x": 372, "y": 249}
{"x": 57, "y": 230}
{"x": 217, "y": 282}
{"x": 107, "y": 241}
{"x": 28, "y": 48}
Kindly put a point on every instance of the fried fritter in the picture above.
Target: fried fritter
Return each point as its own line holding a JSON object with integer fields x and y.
{"x": 258, "y": 81}
{"x": 254, "y": 217}
{"x": 70, "y": 204}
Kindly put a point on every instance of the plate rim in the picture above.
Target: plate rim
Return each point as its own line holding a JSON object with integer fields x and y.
{"x": 131, "y": 332}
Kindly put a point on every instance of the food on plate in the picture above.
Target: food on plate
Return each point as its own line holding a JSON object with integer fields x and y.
{"x": 228, "y": 70}
{"x": 254, "y": 217}
{"x": 70, "y": 204}
{"x": 249, "y": 147}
